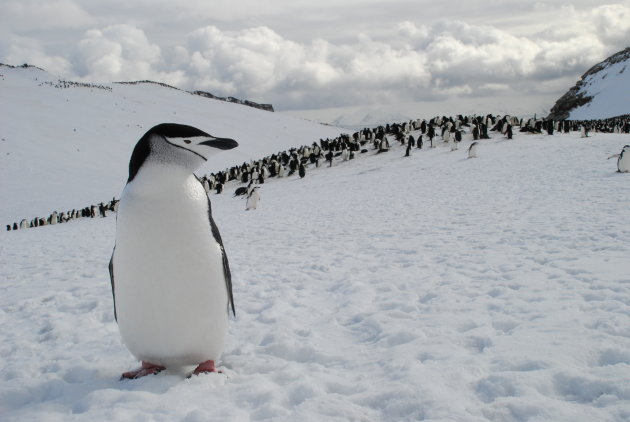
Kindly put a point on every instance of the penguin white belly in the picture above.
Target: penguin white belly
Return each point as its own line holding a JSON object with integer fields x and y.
{"x": 252, "y": 201}
{"x": 170, "y": 292}
{"x": 623, "y": 164}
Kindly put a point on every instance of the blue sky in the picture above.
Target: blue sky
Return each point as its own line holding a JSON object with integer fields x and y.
{"x": 319, "y": 55}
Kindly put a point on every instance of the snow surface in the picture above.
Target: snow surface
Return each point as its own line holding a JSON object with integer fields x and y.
{"x": 386, "y": 288}
{"x": 610, "y": 89}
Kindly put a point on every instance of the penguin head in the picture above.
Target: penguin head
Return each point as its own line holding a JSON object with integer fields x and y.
{"x": 176, "y": 145}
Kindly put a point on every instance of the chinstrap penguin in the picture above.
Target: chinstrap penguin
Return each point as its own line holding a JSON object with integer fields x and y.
{"x": 623, "y": 160}
{"x": 169, "y": 273}
{"x": 252, "y": 199}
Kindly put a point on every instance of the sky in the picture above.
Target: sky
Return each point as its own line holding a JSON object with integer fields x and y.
{"x": 325, "y": 58}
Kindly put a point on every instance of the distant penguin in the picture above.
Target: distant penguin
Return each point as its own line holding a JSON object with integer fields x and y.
{"x": 475, "y": 132}
{"x": 472, "y": 150}
{"x": 171, "y": 282}
{"x": 240, "y": 191}
{"x": 623, "y": 159}
{"x": 302, "y": 170}
{"x": 345, "y": 154}
{"x": 252, "y": 199}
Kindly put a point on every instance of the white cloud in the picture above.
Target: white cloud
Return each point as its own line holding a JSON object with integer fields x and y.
{"x": 611, "y": 22}
{"x": 35, "y": 14}
{"x": 118, "y": 51}
{"x": 20, "y": 50}
{"x": 123, "y": 53}
{"x": 415, "y": 59}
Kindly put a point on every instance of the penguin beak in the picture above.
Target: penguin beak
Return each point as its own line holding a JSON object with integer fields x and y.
{"x": 220, "y": 143}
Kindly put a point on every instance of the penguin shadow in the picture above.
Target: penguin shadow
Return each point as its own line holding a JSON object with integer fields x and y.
{"x": 78, "y": 386}
{"x": 467, "y": 159}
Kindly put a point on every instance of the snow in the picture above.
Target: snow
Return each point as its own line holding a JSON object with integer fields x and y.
{"x": 610, "y": 89}
{"x": 386, "y": 288}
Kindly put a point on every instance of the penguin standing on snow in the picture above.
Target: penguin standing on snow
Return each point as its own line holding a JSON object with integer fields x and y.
{"x": 252, "y": 199}
{"x": 472, "y": 150}
{"x": 623, "y": 160}
{"x": 170, "y": 280}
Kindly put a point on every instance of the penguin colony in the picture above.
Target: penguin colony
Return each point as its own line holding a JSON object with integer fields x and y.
{"x": 103, "y": 209}
{"x": 445, "y": 130}
{"x": 346, "y": 147}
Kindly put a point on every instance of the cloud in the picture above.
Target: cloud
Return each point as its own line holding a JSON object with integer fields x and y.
{"x": 33, "y": 14}
{"x": 19, "y": 50}
{"x": 429, "y": 61}
{"x": 121, "y": 53}
{"x": 611, "y": 22}
{"x": 414, "y": 60}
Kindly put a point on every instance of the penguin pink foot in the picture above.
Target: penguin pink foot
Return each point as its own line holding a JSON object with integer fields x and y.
{"x": 205, "y": 368}
{"x": 147, "y": 368}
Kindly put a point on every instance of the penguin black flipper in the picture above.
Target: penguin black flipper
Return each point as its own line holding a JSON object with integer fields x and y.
{"x": 111, "y": 279}
{"x": 226, "y": 264}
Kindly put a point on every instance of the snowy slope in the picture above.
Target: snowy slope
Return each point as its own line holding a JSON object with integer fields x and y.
{"x": 602, "y": 92}
{"x": 432, "y": 287}
{"x": 64, "y": 148}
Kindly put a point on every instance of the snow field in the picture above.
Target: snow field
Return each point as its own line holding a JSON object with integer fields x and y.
{"x": 430, "y": 287}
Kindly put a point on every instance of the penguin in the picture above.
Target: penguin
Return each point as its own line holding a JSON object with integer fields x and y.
{"x": 171, "y": 283}
{"x": 252, "y": 199}
{"x": 623, "y": 160}
{"x": 472, "y": 150}
{"x": 240, "y": 191}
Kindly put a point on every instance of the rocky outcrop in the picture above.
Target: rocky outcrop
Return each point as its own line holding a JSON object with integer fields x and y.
{"x": 577, "y": 96}
{"x": 266, "y": 107}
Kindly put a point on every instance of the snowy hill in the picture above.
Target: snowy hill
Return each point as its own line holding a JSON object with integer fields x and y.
{"x": 66, "y": 145}
{"x": 384, "y": 288}
{"x": 602, "y": 92}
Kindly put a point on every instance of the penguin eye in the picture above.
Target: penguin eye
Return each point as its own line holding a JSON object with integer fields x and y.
{"x": 186, "y": 141}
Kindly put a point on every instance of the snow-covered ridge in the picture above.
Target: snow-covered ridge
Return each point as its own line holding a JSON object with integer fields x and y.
{"x": 68, "y": 84}
{"x": 67, "y": 144}
{"x": 602, "y": 91}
